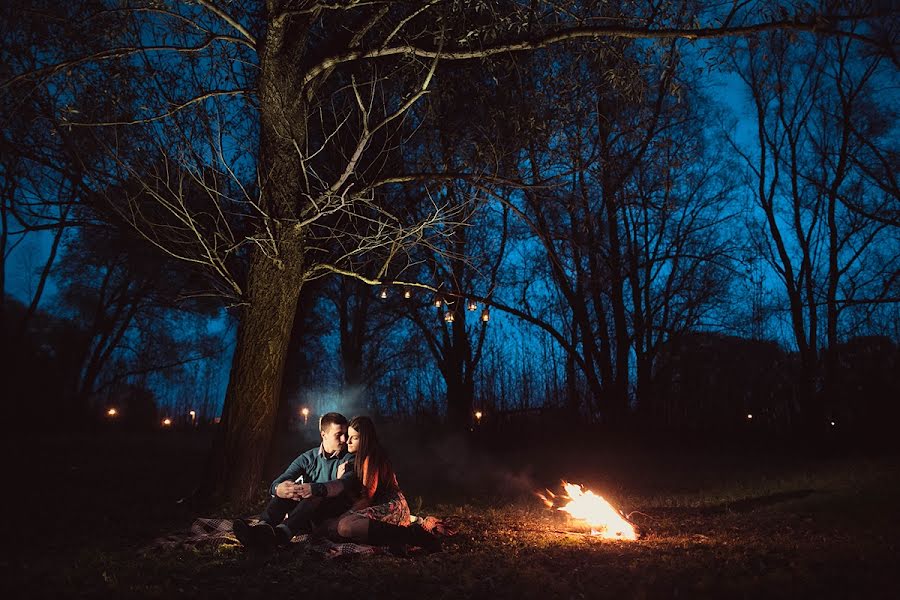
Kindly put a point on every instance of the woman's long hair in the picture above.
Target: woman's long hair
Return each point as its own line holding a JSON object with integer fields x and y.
{"x": 371, "y": 465}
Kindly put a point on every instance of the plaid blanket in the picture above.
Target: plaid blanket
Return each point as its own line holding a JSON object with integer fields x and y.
{"x": 219, "y": 531}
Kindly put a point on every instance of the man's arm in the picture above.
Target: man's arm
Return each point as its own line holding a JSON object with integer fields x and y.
{"x": 346, "y": 483}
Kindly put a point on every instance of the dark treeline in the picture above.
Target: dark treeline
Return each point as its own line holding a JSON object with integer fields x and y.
{"x": 678, "y": 215}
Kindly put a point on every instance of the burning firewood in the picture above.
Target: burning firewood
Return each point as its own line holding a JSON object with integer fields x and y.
{"x": 603, "y": 518}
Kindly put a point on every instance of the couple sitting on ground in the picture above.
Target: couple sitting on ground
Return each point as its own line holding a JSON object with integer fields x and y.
{"x": 345, "y": 490}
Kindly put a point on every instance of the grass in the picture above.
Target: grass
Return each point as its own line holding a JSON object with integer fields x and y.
{"x": 713, "y": 524}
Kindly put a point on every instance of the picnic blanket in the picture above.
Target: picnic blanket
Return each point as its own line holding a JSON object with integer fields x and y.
{"x": 205, "y": 531}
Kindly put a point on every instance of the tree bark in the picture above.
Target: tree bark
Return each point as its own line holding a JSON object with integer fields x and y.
{"x": 251, "y": 402}
{"x": 275, "y": 275}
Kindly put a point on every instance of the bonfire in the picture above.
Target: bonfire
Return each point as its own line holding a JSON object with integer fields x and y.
{"x": 602, "y": 517}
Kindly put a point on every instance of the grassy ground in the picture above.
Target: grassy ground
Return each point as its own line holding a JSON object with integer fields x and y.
{"x": 714, "y": 524}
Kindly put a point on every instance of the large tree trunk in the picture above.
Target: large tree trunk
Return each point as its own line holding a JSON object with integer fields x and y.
{"x": 251, "y": 402}
{"x": 353, "y": 311}
{"x": 460, "y": 401}
{"x": 274, "y": 281}
{"x": 458, "y": 374}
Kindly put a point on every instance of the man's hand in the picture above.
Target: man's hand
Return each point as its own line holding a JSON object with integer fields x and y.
{"x": 291, "y": 490}
{"x": 342, "y": 468}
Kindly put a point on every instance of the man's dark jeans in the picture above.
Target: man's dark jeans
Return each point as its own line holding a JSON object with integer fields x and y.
{"x": 303, "y": 515}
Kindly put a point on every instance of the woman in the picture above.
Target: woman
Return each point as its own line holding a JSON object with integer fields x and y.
{"x": 380, "y": 515}
{"x": 380, "y": 498}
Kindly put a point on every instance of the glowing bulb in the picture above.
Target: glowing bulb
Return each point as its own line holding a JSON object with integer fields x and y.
{"x": 407, "y": 293}
{"x": 383, "y": 293}
{"x": 473, "y": 305}
{"x": 478, "y": 415}
{"x": 112, "y": 412}
{"x": 485, "y": 315}
{"x": 438, "y": 302}
{"x": 449, "y": 317}
{"x": 166, "y": 422}
{"x": 749, "y": 416}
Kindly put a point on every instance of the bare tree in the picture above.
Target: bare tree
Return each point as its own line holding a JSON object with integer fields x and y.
{"x": 42, "y": 161}
{"x": 817, "y": 226}
{"x": 631, "y": 237}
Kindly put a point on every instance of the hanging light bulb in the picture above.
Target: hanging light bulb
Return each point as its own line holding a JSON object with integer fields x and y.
{"x": 407, "y": 293}
{"x": 473, "y": 305}
{"x": 485, "y": 315}
{"x": 438, "y": 301}
{"x": 449, "y": 316}
{"x": 383, "y": 293}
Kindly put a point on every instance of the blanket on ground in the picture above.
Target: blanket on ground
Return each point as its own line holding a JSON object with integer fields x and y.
{"x": 219, "y": 531}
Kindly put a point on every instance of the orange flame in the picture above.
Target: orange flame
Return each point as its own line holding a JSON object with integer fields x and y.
{"x": 604, "y": 520}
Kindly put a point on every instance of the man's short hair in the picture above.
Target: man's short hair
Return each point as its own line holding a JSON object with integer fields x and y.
{"x": 329, "y": 418}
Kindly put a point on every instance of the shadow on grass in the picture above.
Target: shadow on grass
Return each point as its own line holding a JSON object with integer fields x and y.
{"x": 750, "y": 504}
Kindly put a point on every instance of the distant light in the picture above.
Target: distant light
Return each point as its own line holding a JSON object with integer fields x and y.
{"x": 112, "y": 412}
{"x": 449, "y": 316}
{"x": 749, "y": 416}
{"x": 383, "y": 293}
{"x": 478, "y": 415}
{"x": 407, "y": 293}
{"x": 304, "y": 411}
{"x": 832, "y": 423}
{"x": 438, "y": 302}
{"x": 485, "y": 315}
{"x": 193, "y": 414}
{"x": 473, "y": 305}
{"x": 166, "y": 422}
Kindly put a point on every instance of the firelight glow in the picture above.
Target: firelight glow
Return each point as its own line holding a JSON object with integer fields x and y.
{"x": 604, "y": 519}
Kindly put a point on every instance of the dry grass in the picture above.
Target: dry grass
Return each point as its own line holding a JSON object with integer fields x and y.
{"x": 712, "y": 525}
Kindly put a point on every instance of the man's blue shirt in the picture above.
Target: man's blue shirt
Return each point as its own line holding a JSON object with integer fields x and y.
{"x": 315, "y": 466}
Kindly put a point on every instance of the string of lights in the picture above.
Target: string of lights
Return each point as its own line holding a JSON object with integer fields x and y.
{"x": 444, "y": 300}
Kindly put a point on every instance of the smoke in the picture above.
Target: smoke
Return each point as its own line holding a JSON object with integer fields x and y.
{"x": 445, "y": 467}
{"x": 348, "y": 401}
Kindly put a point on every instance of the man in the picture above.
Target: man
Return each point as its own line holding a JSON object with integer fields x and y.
{"x": 299, "y": 493}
